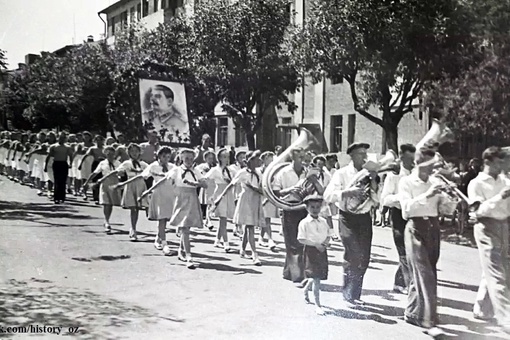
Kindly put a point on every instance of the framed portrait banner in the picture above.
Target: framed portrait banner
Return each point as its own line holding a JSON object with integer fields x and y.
{"x": 164, "y": 110}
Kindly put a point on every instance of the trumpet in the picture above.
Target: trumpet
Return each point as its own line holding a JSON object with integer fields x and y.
{"x": 452, "y": 190}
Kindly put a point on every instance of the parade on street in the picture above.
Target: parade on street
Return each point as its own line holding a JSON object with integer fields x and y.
{"x": 255, "y": 169}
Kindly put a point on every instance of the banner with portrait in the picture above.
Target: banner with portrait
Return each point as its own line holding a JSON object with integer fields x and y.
{"x": 164, "y": 110}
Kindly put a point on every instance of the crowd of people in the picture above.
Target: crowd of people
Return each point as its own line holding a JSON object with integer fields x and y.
{"x": 185, "y": 188}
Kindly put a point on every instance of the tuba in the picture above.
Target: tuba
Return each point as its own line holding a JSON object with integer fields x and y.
{"x": 363, "y": 180}
{"x": 307, "y": 142}
{"x": 438, "y": 134}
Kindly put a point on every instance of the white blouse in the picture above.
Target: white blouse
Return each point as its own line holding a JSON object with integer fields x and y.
{"x": 130, "y": 170}
{"x": 155, "y": 170}
{"x": 180, "y": 173}
{"x": 105, "y": 167}
{"x": 220, "y": 176}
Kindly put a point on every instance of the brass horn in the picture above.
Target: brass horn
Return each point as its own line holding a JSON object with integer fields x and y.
{"x": 363, "y": 179}
{"x": 438, "y": 134}
{"x": 305, "y": 141}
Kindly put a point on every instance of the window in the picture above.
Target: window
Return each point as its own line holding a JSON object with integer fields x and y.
{"x": 336, "y": 133}
{"x": 110, "y": 27}
{"x": 123, "y": 20}
{"x": 156, "y": 5}
{"x": 132, "y": 12}
{"x": 286, "y": 138}
{"x": 145, "y": 8}
{"x": 223, "y": 131}
{"x": 113, "y": 25}
{"x": 351, "y": 129}
{"x": 240, "y": 137}
{"x": 139, "y": 11}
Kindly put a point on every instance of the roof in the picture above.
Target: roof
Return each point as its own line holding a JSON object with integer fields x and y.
{"x": 114, "y": 6}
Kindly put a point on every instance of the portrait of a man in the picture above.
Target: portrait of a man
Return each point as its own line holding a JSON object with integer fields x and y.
{"x": 164, "y": 110}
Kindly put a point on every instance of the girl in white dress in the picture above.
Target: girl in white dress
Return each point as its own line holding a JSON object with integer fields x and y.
{"x": 219, "y": 178}
{"x": 161, "y": 202}
{"x": 134, "y": 186}
{"x": 187, "y": 213}
{"x": 249, "y": 207}
{"x": 269, "y": 209}
{"x": 108, "y": 195}
{"x": 240, "y": 163}
{"x": 205, "y": 195}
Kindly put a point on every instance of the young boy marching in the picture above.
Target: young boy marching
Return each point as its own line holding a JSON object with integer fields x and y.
{"x": 314, "y": 234}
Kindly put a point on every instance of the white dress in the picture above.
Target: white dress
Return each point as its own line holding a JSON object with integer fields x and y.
{"x": 187, "y": 212}
{"x": 204, "y": 195}
{"x": 107, "y": 195}
{"x": 133, "y": 190}
{"x": 218, "y": 179}
{"x": 161, "y": 201}
{"x": 249, "y": 206}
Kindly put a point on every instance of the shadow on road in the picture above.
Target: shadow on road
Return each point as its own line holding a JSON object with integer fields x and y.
{"x": 456, "y": 285}
{"x": 38, "y": 302}
{"x": 102, "y": 258}
{"x": 38, "y": 212}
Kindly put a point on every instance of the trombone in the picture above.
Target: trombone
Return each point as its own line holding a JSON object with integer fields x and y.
{"x": 452, "y": 190}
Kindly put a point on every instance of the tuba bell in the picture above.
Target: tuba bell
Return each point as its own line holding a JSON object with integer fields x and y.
{"x": 364, "y": 178}
{"x": 305, "y": 141}
{"x": 438, "y": 134}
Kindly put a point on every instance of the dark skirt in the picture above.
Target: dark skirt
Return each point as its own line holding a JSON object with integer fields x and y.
{"x": 294, "y": 266}
{"x": 316, "y": 263}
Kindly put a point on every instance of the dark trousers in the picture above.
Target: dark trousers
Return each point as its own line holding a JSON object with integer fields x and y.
{"x": 60, "y": 173}
{"x": 398, "y": 224}
{"x": 422, "y": 240}
{"x": 294, "y": 266}
{"x": 95, "y": 188}
{"x": 356, "y": 234}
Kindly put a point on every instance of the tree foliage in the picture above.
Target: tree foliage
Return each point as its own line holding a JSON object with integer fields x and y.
{"x": 385, "y": 50}
{"x": 3, "y": 60}
{"x": 242, "y": 48}
{"x": 477, "y": 102}
{"x": 68, "y": 91}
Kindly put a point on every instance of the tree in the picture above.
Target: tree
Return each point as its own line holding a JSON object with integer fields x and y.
{"x": 477, "y": 102}
{"x": 168, "y": 53}
{"x": 71, "y": 98}
{"x": 242, "y": 49}
{"x": 3, "y": 60}
{"x": 385, "y": 50}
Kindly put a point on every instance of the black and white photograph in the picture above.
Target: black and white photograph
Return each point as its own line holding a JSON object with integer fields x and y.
{"x": 255, "y": 169}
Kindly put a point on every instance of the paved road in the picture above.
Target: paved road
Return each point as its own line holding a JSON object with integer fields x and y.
{"x": 58, "y": 268}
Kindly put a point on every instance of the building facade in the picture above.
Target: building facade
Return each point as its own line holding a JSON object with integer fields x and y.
{"x": 148, "y": 13}
{"x": 326, "y": 107}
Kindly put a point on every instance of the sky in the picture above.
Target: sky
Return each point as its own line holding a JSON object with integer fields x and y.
{"x": 32, "y": 26}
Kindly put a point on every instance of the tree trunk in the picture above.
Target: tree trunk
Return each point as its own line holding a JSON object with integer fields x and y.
{"x": 250, "y": 140}
{"x": 391, "y": 132}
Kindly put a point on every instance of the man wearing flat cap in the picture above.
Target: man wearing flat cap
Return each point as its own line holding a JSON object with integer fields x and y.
{"x": 355, "y": 228}
{"x": 285, "y": 183}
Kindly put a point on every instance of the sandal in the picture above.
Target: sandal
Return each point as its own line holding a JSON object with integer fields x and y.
{"x": 107, "y": 228}
{"x": 190, "y": 264}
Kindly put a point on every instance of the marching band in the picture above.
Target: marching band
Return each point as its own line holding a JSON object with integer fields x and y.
{"x": 186, "y": 188}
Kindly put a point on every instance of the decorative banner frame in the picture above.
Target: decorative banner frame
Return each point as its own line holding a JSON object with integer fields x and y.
{"x": 164, "y": 110}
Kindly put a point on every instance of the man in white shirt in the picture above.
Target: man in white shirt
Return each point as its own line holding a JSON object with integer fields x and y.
{"x": 420, "y": 201}
{"x": 492, "y": 189}
{"x": 355, "y": 228}
{"x": 389, "y": 198}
